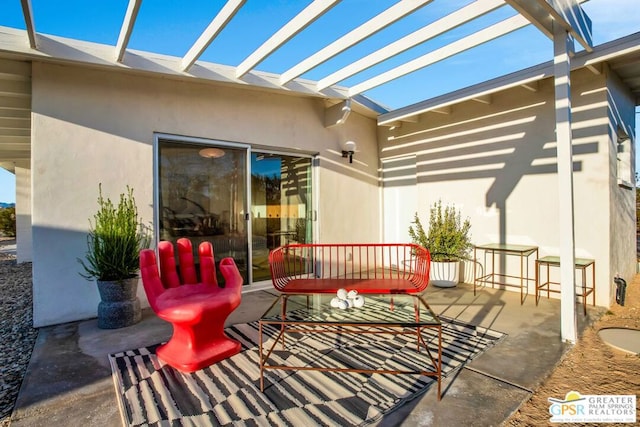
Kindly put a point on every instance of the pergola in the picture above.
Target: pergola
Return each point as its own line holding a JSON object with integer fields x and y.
{"x": 563, "y": 21}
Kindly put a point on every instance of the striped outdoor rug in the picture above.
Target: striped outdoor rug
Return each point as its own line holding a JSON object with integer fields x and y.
{"x": 228, "y": 393}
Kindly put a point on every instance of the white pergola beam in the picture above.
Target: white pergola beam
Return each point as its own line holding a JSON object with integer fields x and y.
{"x": 562, "y": 47}
{"x": 305, "y": 18}
{"x": 377, "y": 23}
{"x": 218, "y": 23}
{"x": 447, "y": 23}
{"x": 574, "y": 19}
{"x": 494, "y": 31}
{"x": 567, "y": 13}
{"x": 127, "y": 27}
{"x": 53, "y": 49}
{"x": 528, "y": 78}
{"x": 27, "y": 11}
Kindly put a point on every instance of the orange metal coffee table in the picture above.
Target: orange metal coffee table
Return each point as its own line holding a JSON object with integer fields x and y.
{"x": 382, "y": 314}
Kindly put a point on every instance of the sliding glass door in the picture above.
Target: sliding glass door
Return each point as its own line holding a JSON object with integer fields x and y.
{"x": 202, "y": 196}
{"x": 281, "y": 209}
{"x": 204, "y": 191}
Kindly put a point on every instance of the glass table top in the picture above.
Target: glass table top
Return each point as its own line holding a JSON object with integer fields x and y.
{"x": 506, "y": 247}
{"x": 378, "y": 309}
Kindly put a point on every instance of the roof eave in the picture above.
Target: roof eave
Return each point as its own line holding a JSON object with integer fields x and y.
{"x": 602, "y": 53}
{"x": 54, "y": 49}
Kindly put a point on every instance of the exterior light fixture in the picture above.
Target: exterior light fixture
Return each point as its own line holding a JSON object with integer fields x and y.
{"x": 211, "y": 153}
{"x": 349, "y": 150}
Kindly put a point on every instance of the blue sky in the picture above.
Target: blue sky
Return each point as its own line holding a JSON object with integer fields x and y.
{"x": 170, "y": 27}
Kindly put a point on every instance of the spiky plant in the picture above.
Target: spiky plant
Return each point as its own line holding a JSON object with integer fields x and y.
{"x": 115, "y": 239}
{"x": 448, "y": 236}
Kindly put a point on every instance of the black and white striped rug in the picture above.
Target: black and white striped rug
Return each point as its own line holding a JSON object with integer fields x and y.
{"x": 228, "y": 393}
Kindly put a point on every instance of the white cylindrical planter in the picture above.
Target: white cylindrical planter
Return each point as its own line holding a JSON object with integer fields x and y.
{"x": 444, "y": 274}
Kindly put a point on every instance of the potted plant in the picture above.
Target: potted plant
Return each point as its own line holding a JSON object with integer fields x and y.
{"x": 115, "y": 239}
{"x": 447, "y": 239}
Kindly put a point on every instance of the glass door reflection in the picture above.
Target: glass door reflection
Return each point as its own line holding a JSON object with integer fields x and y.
{"x": 281, "y": 208}
{"x": 202, "y": 196}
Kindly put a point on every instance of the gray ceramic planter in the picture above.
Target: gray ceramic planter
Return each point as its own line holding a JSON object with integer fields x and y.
{"x": 119, "y": 305}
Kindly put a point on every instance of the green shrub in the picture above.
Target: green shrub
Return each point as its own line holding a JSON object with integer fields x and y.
{"x": 115, "y": 239}
{"x": 448, "y": 236}
{"x": 8, "y": 221}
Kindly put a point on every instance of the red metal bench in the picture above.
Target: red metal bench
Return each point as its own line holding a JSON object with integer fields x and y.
{"x": 365, "y": 267}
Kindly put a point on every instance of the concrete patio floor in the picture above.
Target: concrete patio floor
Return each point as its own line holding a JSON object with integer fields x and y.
{"x": 68, "y": 381}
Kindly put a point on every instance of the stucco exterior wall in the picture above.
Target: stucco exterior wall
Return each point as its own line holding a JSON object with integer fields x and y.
{"x": 497, "y": 163}
{"x": 623, "y": 198}
{"x": 91, "y": 127}
{"x": 23, "y": 214}
{"x": 344, "y": 189}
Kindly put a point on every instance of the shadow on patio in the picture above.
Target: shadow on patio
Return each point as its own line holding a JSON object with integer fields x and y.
{"x": 69, "y": 378}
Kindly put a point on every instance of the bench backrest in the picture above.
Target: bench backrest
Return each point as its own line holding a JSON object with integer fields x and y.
{"x": 406, "y": 261}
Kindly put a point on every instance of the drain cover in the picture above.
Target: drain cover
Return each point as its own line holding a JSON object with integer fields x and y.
{"x": 622, "y": 338}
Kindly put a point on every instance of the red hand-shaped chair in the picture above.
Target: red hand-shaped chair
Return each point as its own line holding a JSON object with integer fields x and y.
{"x": 196, "y": 309}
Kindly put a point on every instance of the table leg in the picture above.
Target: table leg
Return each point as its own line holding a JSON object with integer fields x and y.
{"x": 261, "y": 359}
{"x": 548, "y": 284}
{"x": 283, "y": 316}
{"x": 439, "y": 362}
{"x": 584, "y": 289}
{"x": 493, "y": 269}
{"x": 416, "y": 314}
{"x": 537, "y": 281}
{"x": 593, "y": 282}
{"x": 474, "y": 270}
{"x": 521, "y": 278}
{"x": 528, "y": 270}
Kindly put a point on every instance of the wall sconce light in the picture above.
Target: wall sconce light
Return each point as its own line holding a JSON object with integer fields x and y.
{"x": 349, "y": 150}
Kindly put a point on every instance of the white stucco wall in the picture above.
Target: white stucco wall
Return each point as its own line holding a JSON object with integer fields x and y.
{"x": 91, "y": 126}
{"x": 623, "y": 199}
{"x": 497, "y": 163}
{"x": 345, "y": 190}
{"x": 23, "y": 213}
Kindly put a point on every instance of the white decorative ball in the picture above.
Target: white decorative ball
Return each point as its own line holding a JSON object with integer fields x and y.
{"x": 343, "y": 304}
{"x": 342, "y": 293}
{"x": 352, "y": 293}
{"x": 335, "y": 302}
{"x": 349, "y": 302}
{"x": 358, "y": 301}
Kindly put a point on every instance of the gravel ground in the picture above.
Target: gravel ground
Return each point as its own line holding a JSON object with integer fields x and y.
{"x": 17, "y": 336}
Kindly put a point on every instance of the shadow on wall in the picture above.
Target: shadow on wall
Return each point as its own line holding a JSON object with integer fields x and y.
{"x": 513, "y": 137}
{"x": 60, "y": 294}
